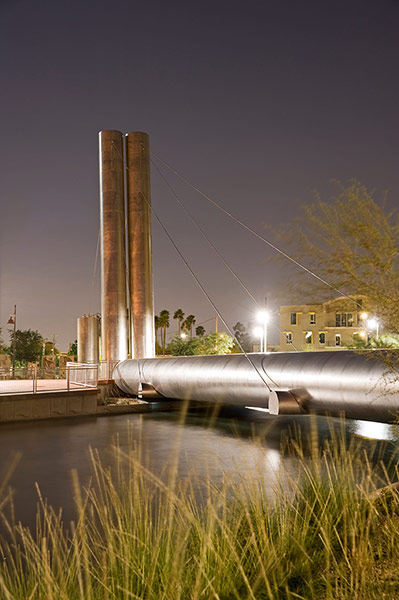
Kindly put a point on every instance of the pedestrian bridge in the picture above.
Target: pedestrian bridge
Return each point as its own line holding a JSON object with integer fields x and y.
{"x": 359, "y": 385}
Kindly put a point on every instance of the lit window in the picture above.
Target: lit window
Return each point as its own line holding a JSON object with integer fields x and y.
{"x": 312, "y": 318}
{"x": 337, "y": 339}
{"x": 322, "y": 337}
{"x": 308, "y": 337}
{"x": 288, "y": 337}
{"x": 293, "y": 318}
{"x": 343, "y": 320}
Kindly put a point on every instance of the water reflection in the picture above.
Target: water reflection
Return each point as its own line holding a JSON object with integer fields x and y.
{"x": 235, "y": 441}
{"x": 376, "y": 431}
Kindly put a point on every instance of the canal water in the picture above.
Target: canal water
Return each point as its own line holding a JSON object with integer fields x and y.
{"x": 236, "y": 442}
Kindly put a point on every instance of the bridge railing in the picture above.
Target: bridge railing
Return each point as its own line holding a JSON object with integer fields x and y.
{"x": 34, "y": 379}
{"x": 82, "y": 374}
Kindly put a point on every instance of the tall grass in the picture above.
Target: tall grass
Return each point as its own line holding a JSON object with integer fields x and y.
{"x": 327, "y": 535}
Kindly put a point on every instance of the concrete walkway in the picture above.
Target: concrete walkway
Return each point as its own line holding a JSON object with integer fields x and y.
{"x": 25, "y": 386}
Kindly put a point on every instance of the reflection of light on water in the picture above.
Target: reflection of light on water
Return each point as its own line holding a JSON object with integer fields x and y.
{"x": 273, "y": 457}
{"x": 374, "y": 430}
{"x": 266, "y": 410}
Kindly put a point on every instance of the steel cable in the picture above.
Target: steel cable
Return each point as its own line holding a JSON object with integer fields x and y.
{"x": 255, "y": 233}
{"x": 164, "y": 229}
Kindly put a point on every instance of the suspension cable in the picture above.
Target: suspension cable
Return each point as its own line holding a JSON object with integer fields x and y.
{"x": 255, "y": 233}
{"x": 200, "y": 229}
{"x": 198, "y": 282}
{"x": 198, "y": 226}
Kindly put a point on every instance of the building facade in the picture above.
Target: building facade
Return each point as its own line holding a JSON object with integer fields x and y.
{"x": 330, "y": 325}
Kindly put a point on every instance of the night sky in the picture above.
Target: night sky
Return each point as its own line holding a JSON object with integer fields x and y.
{"x": 257, "y": 102}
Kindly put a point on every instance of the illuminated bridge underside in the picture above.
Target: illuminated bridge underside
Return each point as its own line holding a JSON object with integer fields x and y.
{"x": 360, "y": 385}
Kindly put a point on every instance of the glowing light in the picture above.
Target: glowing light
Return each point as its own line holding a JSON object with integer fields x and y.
{"x": 258, "y": 332}
{"x": 183, "y": 335}
{"x": 262, "y": 316}
{"x": 362, "y": 334}
{"x": 364, "y": 316}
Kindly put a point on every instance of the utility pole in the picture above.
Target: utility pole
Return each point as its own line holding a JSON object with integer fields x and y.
{"x": 13, "y": 321}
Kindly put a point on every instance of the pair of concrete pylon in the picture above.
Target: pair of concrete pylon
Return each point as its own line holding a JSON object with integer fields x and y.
{"x": 126, "y": 269}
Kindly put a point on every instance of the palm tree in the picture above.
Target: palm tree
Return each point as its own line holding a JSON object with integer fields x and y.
{"x": 156, "y": 324}
{"x": 199, "y": 331}
{"x": 163, "y": 324}
{"x": 188, "y": 324}
{"x": 179, "y": 315}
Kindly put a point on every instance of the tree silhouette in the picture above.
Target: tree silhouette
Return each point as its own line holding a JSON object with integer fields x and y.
{"x": 189, "y": 323}
{"x": 243, "y": 337}
{"x": 352, "y": 241}
{"x": 73, "y": 348}
{"x": 179, "y": 316}
{"x": 163, "y": 325}
{"x": 199, "y": 331}
{"x": 156, "y": 325}
{"x": 28, "y": 346}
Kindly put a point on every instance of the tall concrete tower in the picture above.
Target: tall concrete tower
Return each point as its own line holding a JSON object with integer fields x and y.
{"x": 139, "y": 245}
{"x": 113, "y": 263}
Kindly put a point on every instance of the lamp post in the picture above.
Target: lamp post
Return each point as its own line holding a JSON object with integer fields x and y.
{"x": 374, "y": 323}
{"x": 258, "y": 332}
{"x": 13, "y": 321}
{"x": 263, "y": 317}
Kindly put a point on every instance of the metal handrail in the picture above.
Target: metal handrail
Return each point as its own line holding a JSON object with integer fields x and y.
{"x": 35, "y": 379}
{"x": 90, "y": 374}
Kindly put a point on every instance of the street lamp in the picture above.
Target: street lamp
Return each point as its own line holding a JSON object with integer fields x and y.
{"x": 13, "y": 321}
{"x": 373, "y": 323}
{"x": 263, "y": 318}
{"x": 258, "y": 333}
{"x": 183, "y": 335}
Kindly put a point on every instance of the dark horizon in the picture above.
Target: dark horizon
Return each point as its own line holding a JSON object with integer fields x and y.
{"x": 256, "y": 105}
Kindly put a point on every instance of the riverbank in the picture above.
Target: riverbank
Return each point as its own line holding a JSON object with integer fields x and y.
{"x": 324, "y": 535}
{"x": 83, "y": 402}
